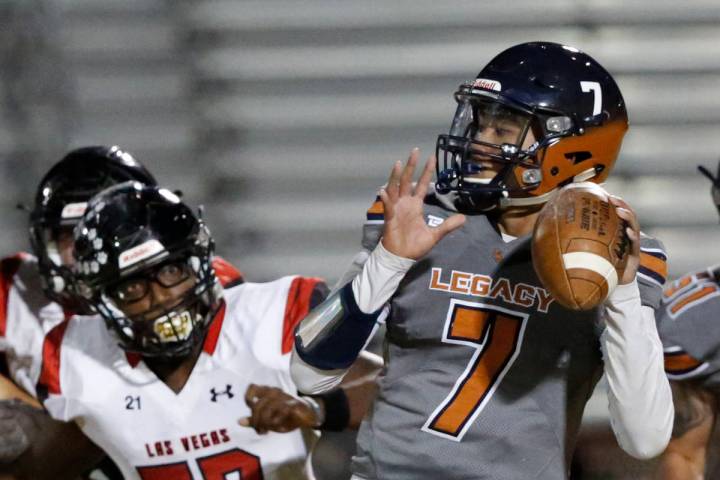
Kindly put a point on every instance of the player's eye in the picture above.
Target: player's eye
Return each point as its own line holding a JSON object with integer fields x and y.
{"x": 172, "y": 274}
{"x": 507, "y": 131}
{"x": 130, "y": 291}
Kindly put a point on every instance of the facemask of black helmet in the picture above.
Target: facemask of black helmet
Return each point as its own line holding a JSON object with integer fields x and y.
{"x": 492, "y": 148}
{"x": 51, "y": 240}
{"x": 144, "y": 262}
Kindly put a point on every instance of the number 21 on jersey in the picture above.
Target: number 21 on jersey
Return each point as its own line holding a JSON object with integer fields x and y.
{"x": 496, "y": 334}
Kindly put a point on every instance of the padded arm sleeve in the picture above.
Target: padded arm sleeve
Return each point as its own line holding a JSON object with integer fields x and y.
{"x": 639, "y": 395}
{"x": 330, "y": 338}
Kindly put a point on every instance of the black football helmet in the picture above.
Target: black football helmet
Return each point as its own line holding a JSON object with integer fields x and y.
{"x": 567, "y": 100}
{"x": 715, "y": 188}
{"x": 60, "y": 201}
{"x": 130, "y": 231}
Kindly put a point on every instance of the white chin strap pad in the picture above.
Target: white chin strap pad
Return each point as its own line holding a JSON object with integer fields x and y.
{"x": 527, "y": 201}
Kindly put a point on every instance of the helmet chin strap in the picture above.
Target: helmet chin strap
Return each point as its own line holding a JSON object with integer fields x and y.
{"x": 506, "y": 202}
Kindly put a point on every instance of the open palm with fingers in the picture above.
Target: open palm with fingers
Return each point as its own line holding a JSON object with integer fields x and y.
{"x": 406, "y": 234}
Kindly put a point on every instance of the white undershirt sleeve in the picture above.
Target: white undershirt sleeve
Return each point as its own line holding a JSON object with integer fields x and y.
{"x": 379, "y": 278}
{"x": 639, "y": 395}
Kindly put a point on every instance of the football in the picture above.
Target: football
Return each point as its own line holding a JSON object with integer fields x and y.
{"x": 579, "y": 246}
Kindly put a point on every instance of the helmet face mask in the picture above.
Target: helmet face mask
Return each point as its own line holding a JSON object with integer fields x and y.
{"x": 56, "y": 275}
{"x": 129, "y": 234}
{"x": 566, "y": 116}
{"x": 60, "y": 202}
{"x": 165, "y": 330}
{"x": 487, "y": 141}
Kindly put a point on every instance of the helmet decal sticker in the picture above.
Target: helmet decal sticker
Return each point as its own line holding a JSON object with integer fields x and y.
{"x": 139, "y": 253}
{"x": 486, "y": 84}
{"x": 73, "y": 210}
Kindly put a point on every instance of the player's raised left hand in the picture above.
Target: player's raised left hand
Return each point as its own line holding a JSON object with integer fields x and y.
{"x": 625, "y": 212}
{"x": 406, "y": 234}
{"x": 276, "y": 411}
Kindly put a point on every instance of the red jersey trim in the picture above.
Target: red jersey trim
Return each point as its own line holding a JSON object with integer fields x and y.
{"x": 8, "y": 268}
{"x": 213, "y": 334}
{"x": 50, "y": 372}
{"x": 133, "y": 358}
{"x": 296, "y": 308}
{"x": 226, "y": 272}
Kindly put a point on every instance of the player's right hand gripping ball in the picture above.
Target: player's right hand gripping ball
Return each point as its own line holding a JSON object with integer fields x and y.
{"x": 579, "y": 246}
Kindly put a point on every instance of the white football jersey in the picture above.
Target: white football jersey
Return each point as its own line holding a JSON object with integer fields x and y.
{"x": 151, "y": 432}
{"x": 26, "y": 316}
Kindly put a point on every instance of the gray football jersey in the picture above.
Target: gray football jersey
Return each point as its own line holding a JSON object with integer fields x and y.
{"x": 689, "y": 327}
{"x": 486, "y": 375}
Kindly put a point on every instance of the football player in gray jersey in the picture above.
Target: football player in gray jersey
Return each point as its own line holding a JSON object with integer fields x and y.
{"x": 486, "y": 376}
{"x": 690, "y": 332}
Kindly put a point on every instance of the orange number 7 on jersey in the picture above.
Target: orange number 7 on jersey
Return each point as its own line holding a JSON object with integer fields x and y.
{"x": 496, "y": 335}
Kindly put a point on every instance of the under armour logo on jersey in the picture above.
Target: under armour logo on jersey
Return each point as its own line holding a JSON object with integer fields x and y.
{"x": 434, "y": 221}
{"x": 215, "y": 394}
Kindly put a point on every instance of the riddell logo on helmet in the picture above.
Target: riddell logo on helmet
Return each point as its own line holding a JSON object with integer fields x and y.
{"x": 140, "y": 253}
{"x": 73, "y": 210}
{"x": 486, "y": 84}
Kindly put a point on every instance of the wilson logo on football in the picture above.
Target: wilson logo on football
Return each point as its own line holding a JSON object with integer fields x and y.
{"x": 140, "y": 253}
{"x": 73, "y": 210}
{"x": 486, "y": 84}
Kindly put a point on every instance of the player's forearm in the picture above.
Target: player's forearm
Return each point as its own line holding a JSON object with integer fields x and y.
{"x": 328, "y": 341}
{"x": 52, "y": 450}
{"x": 640, "y": 399}
{"x": 332, "y": 336}
{"x": 360, "y": 397}
{"x": 371, "y": 237}
{"x": 10, "y": 391}
{"x": 360, "y": 386}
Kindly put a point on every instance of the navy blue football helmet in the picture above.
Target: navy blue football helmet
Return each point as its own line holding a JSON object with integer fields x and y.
{"x": 567, "y": 119}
